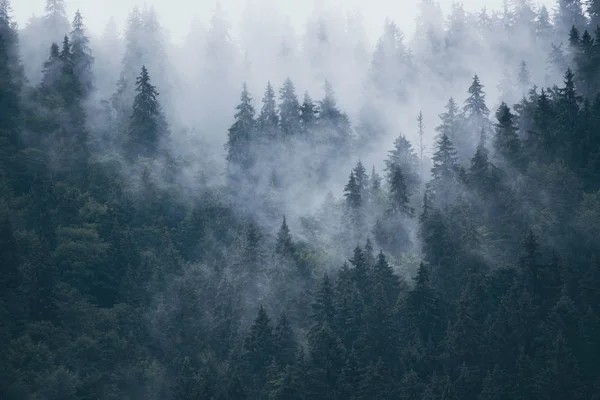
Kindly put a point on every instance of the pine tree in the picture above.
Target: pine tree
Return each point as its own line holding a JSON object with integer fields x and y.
{"x": 569, "y": 14}
{"x": 475, "y": 106}
{"x": 403, "y": 156}
{"x": 543, "y": 26}
{"x": 421, "y": 136}
{"x": 241, "y": 133}
{"x": 445, "y": 169}
{"x": 353, "y": 192}
{"x": 52, "y": 70}
{"x": 268, "y": 121}
{"x": 384, "y": 275}
{"x": 451, "y": 123}
{"x": 362, "y": 180}
{"x": 81, "y": 54}
{"x": 334, "y": 124}
{"x": 11, "y": 83}
{"x": 476, "y": 113}
{"x": 398, "y": 192}
{"x": 523, "y": 76}
{"x": 258, "y": 344}
{"x": 507, "y": 145}
{"x": 284, "y": 342}
{"x": 147, "y": 127}
{"x": 308, "y": 114}
{"x": 323, "y": 305}
{"x": 374, "y": 183}
{"x": 285, "y": 245}
{"x": 55, "y": 19}
{"x": 289, "y": 109}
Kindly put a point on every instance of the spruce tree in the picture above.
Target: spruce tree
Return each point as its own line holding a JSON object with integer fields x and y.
{"x": 284, "y": 245}
{"x": 11, "y": 82}
{"x": 403, "y": 156}
{"x": 353, "y": 192}
{"x": 81, "y": 55}
{"x": 507, "y": 145}
{"x": 398, "y": 192}
{"x": 451, "y": 122}
{"x": 476, "y": 113}
{"x": 241, "y": 133}
{"x": 259, "y": 344}
{"x": 445, "y": 169}
{"x": 523, "y": 76}
{"x": 55, "y": 20}
{"x": 308, "y": 114}
{"x": 289, "y": 109}
{"x": 147, "y": 125}
{"x": 268, "y": 120}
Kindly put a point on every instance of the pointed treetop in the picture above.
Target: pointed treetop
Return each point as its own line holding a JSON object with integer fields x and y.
{"x": 475, "y": 104}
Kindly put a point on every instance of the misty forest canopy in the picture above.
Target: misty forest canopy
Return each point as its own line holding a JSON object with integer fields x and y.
{"x": 250, "y": 219}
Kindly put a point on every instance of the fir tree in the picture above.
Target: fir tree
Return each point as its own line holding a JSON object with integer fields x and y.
{"x": 523, "y": 76}
{"x": 421, "y": 136}
{"x": 267, "y": 121}
{"x": 147, "y": 127}
{"x": 398, "y": 192}
{"x": 81, "y": 55}
{"x": 259, "y": 344}
{"x": 241, "y": 133}
{"x": 289, "y": 109}
{"x": 353, "y": 192}
{"x": 285, "y": 245}
{"x": 445, "y": 169}
{"x": 403, "y": 156}
{"x": 308, "y": 114}
{"x": 507, "y": 145}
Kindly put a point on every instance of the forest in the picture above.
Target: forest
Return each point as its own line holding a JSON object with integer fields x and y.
{"x": 418, "y": 219}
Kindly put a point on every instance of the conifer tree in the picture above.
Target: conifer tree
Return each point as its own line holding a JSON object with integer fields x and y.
{"x": 362, "y": 180}
{"x": 285, "y": 245}
{"x": 11, "y": 80}
{"x": 421, "y": 133}
{"x": 284, "y": 342}
{"x": 147, "y": 126}
{"x": 268, "y": 120}
{"x": 523, "y": 76}
{"x": 289, "y": 109}
{"x": 259, "y": 345}
{"x": 569, "y": 14}
{"x": 81, "y": 55}
{"x": 308, "y": 114}
{"x": 476, "y": 113}
{"x": 334, "y": 124}
{"x": 451, "y": 123}
{"x": 353, "y": 192}
{"x": 507, "y": 145}
{"x": 241, "y": 133}
{"x": 445, "y": 169}
{"x": 55, "y": 19}
{"x": 398, "y": 192}
{"x": 403, "y": 156}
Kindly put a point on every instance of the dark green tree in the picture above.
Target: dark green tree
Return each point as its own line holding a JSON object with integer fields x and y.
{"x": 289, "y": 109}
{"x": 81, "y": 55}
{"x": 148, "y": 129}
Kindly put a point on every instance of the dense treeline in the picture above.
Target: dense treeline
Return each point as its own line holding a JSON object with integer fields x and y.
{"x": 128, "y": 272}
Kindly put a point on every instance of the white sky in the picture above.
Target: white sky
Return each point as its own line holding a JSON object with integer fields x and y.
{"x": 176, "y": 15}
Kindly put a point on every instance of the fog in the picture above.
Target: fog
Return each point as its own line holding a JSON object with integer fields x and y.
{"x": 383, "y": 67}
{"x": 177, "y": 15}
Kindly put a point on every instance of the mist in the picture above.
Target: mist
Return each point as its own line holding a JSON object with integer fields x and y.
{"x": 264, "y": 200}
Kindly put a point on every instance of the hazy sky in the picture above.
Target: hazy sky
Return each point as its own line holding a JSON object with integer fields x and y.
{"x": 176, "y": 15}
